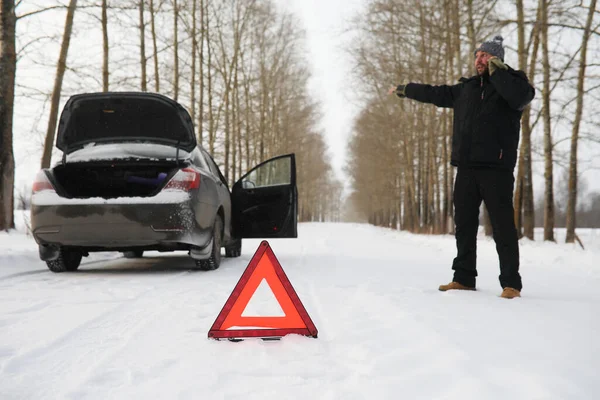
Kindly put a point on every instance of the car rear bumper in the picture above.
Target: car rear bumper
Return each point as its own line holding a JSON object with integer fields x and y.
{"x": 104, "y": 224}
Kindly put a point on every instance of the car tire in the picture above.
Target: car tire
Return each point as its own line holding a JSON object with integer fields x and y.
{"x": 133, "y": 254}
{"x": 68, "y": 260}
{"x": 234, "y": 249}
{"x": 214, "y": 261}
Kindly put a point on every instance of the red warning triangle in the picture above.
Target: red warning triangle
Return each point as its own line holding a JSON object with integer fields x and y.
{"x": 264, "y": 265}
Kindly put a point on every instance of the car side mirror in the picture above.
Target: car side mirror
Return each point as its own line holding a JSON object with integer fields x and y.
{"x": 248, "y": 185}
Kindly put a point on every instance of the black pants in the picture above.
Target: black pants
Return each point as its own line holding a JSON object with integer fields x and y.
{"x": 495, "y": 188}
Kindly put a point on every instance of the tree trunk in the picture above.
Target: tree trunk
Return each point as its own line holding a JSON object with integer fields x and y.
{"x": 527, "y": 200}
{"x": 548, "y": 168}
{"x": 471, "y": 27}
{"x": 447, "y": 201}
{"x": 518, "y": 201}
{"x": 143, "y": 46}
{"x": 572, "y": 200}
{"x": 227, "y": 131}
{"x": 201, "y": 76}
{"x": 175, "y": 51}
{"x": 193, "y": 71}
{"x": 234, "y": 122}
{"x": 154, "y": 48}
{"x": 457, "y": 73}
{"x": 105, "y": 72}
{"x": 528, "y": 219}
{"x": 247, "y": 122}
{"x": 8, "y": 66}
{"x": 239, "y": 123}
{"x": 211, "y": 119}
{"x": 60, "y": 73}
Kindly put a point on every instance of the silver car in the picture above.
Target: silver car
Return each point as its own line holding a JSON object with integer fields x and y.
{"x": 132, "y": 178}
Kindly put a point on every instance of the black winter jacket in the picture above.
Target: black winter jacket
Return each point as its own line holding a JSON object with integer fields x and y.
{"x": 487, "y": 115}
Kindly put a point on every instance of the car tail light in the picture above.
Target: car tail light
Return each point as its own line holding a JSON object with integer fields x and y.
{"x": 185, "y": 180}
{"x": 41, "y": 183}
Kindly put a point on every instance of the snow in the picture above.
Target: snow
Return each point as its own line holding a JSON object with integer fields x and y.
{"x": 167, "y": 196}
{"x": 125, "y": 328}
{"x": 115, "y": 151}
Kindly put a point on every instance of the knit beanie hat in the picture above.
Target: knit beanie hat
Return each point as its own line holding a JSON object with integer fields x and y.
{"x": 493, "y": 47}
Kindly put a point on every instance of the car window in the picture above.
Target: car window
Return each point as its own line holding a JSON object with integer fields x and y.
{"x": 273, "y": 173}
{"x": 214, "y": 167}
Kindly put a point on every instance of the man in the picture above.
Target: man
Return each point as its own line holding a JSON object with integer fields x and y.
{"x": 487, "y": 114}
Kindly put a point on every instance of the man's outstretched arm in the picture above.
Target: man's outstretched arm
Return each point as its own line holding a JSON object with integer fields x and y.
{"x": 441, "y": 96}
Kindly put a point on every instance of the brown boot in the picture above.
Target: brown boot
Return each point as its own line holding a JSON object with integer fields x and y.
{"x": 510, "y": 293}
{"x": 455, "y": 286}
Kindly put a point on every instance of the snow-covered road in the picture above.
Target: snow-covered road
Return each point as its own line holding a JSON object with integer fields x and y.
{"x": 137, "y": 329}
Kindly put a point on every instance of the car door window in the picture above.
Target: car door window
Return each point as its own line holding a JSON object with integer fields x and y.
{"x": 275, "y": 173}
{"x": 265, "y": 200}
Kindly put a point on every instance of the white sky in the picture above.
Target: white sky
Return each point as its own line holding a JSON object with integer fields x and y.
{"x": 326, "y": 23}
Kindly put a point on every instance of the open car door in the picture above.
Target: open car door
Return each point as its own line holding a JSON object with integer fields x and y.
{"x": 265, "y": 200}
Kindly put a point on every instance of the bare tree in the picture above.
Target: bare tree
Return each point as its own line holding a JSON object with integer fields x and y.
{"x": 523, "y": 200}
{"x": 175, "y": 50}
{"x": 154, "y": 47}
{"x": 548, "y": 147}
{"x": 209, "y": 80}
{"x": 193, "y": 70}
{"x": 105, "y": 72}
{"x": 142, "y": 46}
{"x": 200, "y": 123}
{"x": 8, "y": 66}
{"x": 572, "y": 199}
{"x": 58, "y": 81}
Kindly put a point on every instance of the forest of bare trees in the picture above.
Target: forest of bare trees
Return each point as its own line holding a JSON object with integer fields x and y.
{"x": 399, "y": 151}
{"x": 238, "y": 66}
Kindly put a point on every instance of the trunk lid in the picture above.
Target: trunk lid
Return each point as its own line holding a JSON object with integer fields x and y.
{"x": 124, "y": 117}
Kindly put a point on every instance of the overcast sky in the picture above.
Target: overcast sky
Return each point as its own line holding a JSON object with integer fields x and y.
{"x": 326, "y": 23}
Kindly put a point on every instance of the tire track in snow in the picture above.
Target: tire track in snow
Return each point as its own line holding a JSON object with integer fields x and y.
{"x": 360, "y": 305}
{"x": 21, "y": 274}
{"x": 77, "y": 352}
{"x": 414, "y": 355}
{"x": 47, "y": 271}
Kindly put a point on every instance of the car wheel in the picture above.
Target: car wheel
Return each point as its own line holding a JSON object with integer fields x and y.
{"x": 68, "y": 260}
{"x": 214, "y": 261}
{"x": 234, "y": 249}
{"x": 133, "y": 254}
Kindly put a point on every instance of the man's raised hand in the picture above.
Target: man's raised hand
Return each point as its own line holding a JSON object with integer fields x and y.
{"x": 398, "y": 90}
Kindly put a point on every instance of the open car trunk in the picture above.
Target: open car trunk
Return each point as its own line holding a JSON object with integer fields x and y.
{"x": 113, "y": 179}
{"x": 123, "y": 117}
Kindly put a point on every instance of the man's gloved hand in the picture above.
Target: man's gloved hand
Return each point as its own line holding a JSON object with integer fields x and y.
{"x": 494, "y": 63}
{"x": 398, "y": 90}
